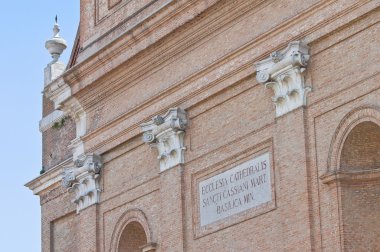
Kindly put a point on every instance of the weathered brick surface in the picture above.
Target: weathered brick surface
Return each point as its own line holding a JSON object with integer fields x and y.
{"x": 55, "y": 142}
{"x": 361, "y": 148}
{"x": 206, "y": 67}
{"x": 360, "y": 216}
{"x": 64, "y": 233}
{"x": 133, "y": 238}
{"x": 47, "y": 106}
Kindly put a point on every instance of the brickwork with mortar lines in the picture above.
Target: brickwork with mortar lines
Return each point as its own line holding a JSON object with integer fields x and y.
{"x": 231, "y": 117}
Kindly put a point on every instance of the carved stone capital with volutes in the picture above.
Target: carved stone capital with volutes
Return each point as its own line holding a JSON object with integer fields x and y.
{"x": 283, "y": 72}
{"x": 83, "y": 180}
{"x": 166, "y": 134}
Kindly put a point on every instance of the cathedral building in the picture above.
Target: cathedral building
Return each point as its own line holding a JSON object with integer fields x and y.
{"x": 212, "y": 126}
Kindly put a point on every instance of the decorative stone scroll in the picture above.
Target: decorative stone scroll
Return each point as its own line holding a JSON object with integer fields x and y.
{"x": 83, "y": 180}
{"x": 284, "y": 72}
{"x": 166, "y": 133}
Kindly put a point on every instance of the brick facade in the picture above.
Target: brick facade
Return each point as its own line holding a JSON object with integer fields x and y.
{"x": 138, "y": 59}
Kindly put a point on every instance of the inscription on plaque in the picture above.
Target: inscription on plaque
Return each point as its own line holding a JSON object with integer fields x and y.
{"x": 243, "y": 187}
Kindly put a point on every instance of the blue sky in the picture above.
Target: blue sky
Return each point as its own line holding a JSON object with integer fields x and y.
{"x": 24, "y": 27}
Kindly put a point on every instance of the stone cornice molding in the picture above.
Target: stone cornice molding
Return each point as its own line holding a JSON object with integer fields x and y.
{"x": 48, "y": 121}
{"x": 91, "y": 61}
{"x": 83, "y": 180}
{"x": 242, "y": 67}
{"x": 350, "y": 176}
{"x": 150, "y": 247}
{"x": 51, "y": 178}
{"x": 166, "y": 133}
{"x": 284, "y": 72}
{"x": 153, "y": 9}
{"x": 87, "y": 71}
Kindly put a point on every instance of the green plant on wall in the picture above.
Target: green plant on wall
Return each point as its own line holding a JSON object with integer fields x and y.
{"x": 60, "y": 124}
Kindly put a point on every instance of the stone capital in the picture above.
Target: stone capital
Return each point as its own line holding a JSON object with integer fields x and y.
{"x": 166, "y": 133}
{"x": 283, "y": 71}
{"x": 83, "y": 180}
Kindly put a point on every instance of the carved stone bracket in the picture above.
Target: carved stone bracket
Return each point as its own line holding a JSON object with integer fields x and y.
{"x": 166, "y": 133}
{"x": 83, "y": 180}
{"x": 284, "y": 73}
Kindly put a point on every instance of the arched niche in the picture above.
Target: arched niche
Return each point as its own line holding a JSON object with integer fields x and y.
{"x": 132, "y": 233}
{"x": 353, "y": 147}
{"x": 354, "y": 171}
{"x": 361, "y": 148}
{"x": 133, "y": 238}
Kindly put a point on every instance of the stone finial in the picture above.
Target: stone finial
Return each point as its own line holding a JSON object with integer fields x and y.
{"x": 56, "y": 45}
{"x": 83, "y": 180}
{"x": 284, "y": 72}
{"x": 166, "y": 133}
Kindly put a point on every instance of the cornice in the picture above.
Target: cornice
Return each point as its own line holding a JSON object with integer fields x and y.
{"x": 351, "y": 176}
{"x": 135, "y": 39}
{"x": 156, "y": 7}
{"x": 51, "y": 178}
{"x": 180, "y": 46}
{"x": 48, "y": 121}
{"x": 126, "y": 131}
{"x": 173, "y": 49}
{"x": 141, "y": 113}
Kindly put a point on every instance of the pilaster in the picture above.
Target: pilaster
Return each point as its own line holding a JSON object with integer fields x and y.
{"x": 166, "y": 134}
{"x": 291, "y": 163}
{"x": 172, "y": 211}
{"x": 89, "y": 235}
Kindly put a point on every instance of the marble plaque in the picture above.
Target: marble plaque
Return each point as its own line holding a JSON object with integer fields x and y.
{"x": 238, "y": 189}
